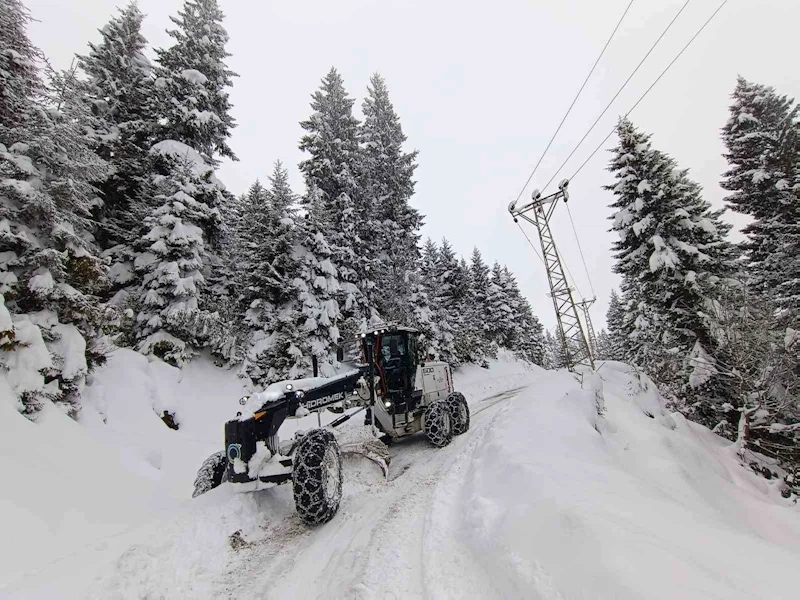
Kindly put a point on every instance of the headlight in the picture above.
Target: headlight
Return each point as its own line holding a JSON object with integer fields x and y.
{"x": 299, "y": 394}
{"x": 289, "y": 387}
{"x": 387, "y": 404}
{"x": 234, "y": 452}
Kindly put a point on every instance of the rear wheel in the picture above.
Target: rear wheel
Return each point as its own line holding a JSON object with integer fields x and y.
{"x": 317, "y": 477}
{"x": 211, "y": 474}
{"x": 438, "y": 424}
{"x": 459, "y": 411}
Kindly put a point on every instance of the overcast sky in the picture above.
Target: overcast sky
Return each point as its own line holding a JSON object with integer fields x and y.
{"x": 480, "y": 87}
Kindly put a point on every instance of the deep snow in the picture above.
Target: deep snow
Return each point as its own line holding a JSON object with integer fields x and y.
{"x": 542, "y": 498}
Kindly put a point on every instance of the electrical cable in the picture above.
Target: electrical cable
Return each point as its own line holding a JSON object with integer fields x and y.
{"x": 585, "y": 81}
{"x": 535, "y": 251}
{"x": 580, "y": 249}
{"x": 652, "y": 85}
{"x": 619, "y": 91}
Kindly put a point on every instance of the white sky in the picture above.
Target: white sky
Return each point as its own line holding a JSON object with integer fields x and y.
{"x": 480, "y": 87}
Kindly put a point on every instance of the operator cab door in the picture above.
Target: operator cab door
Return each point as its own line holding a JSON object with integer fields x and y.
{"x": 393, "y": 363}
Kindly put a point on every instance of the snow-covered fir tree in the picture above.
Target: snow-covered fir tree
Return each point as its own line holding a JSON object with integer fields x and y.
{"x": 390, "y": 224}
{"x": 192, "y": 80}
{"x": 762, "y": 140}
{"x": 480, "y": 321}
{"x": 763, "y": 366}
{"x": 443, "y": 343}
{"x": 672, "y": 254}
{"x": 452, "y": 283}
{"x": 170, "y": 323}
{"x": 50, "y": 273}
{"x": 192, "y": 105}
{"x": 614, "y": 342}
{"x": 317, "y": 285}
{"x": 554, "y": 352}
{"x": 333, "y": 170}
{"x": 500, "y": 316}
{"x": 119, "y": 88}
{"x": 20, "y": 79}
{"x": 419, "y": 312}
{"x": 268, "y": 269}
{"x": 525, "y": 334}
{"x": 469, "y": 340}
{"x": 604, "y": 349}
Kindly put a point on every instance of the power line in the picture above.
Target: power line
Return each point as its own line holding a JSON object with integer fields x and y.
{"x": 580, "y": 249}
{"x": 585, "y": 81}
{"x": 619, "y": 91}
{"x": 652, "y": 85}
{"x": 535, "y": 251}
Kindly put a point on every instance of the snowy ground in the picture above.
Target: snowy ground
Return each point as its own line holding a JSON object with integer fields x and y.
{"x": 542, "y": 498}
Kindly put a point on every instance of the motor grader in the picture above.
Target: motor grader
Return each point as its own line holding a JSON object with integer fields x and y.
{"x": 400, "y": 392}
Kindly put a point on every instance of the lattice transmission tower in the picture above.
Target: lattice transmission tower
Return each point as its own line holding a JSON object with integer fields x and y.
{"x": 587, "y": 319}
{"x": 574, "y": 341}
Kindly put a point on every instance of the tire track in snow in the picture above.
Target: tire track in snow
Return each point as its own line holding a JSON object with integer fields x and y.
{"x": 450, "y": 570}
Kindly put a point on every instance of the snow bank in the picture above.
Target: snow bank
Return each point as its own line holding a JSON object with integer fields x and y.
{"x": 567, "y": 498}
{"x": 73, "y": 487}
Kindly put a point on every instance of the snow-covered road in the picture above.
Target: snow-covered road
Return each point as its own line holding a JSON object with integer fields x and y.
{"x": 382, "y": 543}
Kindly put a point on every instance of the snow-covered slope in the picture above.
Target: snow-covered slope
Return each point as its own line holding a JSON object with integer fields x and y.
{"x": 558, "y": 502}
{"x": 543, "y": 497}
{"x": 66, "y": 485}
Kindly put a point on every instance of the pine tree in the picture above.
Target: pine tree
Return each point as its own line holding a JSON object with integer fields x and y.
{"x": 479, "y": 313}
{"x": 672, "y": 253}
{"x": 269, "y": 267}
{"x": 20, "y": 80}
{"x": 192, "y": 81}
{"x": 50, "y": 273}
{"x": 119, "y": 89}
{"x": 443, "y": 343}
{"x": 318, "y": 286}
{"x": 192, "y": 104}
{"x": 170, "y": 322}
{"x": 762, "y": 138}
{"x": 500, "y": 316}
{"x": 615, "y": 341}
{"x": 468, "y": 333}
{"x": 333, "y": 169}
{"x": 554, "y": 352}
{"x": 452, "y": 289}
{"x": 524, "y": 334}
{"x": 419, "y": 312}
{"x": 390, "y": 224}
{"x": 604, "y": 346}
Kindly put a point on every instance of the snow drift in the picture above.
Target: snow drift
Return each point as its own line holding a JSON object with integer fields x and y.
{"x": 600, "y": 493}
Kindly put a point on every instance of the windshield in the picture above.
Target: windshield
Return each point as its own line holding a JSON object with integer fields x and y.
{"x": 393, "y": 347}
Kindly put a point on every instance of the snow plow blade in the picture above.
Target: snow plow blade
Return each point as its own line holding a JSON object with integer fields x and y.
{"x": 371, "y": 449}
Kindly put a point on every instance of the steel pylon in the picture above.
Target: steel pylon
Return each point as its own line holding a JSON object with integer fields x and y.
{"x": 574, "y": 341}
{"x": 587, "y": 319}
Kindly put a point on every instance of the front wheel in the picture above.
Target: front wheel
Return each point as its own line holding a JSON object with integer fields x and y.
{"x": 459, "y": 411}
{"x": 317, "y": 477}
{"x": 438, "y": 424}
{"x": 211, "y": 474}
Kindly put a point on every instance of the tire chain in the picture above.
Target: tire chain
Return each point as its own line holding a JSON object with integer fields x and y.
{"x": 435, "y": 429}
{"x": 459, "y": 412}
{"x": 308, "y": 480}
{"x": 210, "y": 474}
